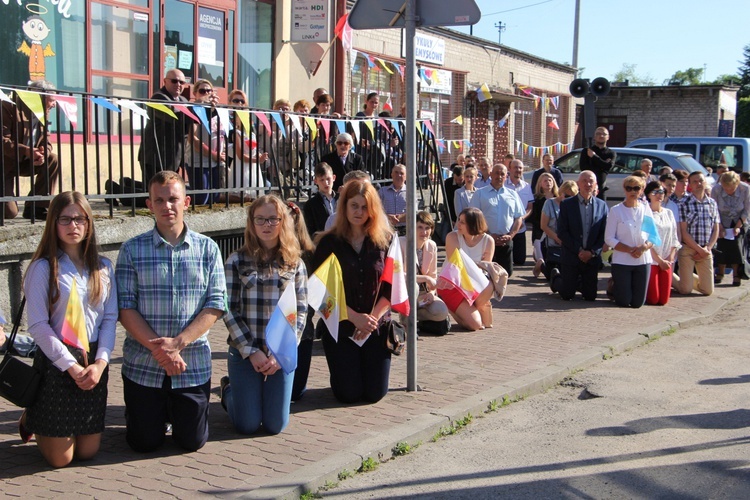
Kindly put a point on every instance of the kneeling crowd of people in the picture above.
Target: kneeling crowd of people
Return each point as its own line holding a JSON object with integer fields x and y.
{"x": 169, "y": 286}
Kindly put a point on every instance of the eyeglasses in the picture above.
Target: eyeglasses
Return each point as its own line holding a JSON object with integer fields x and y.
{"x": 238, "y": 101}
{"x": 262, "y": 221}
{"x": 630, "y": 189}
{"x": 205, "y": 91}
{"x": 79, "y": 221}
{"x": 342, "y": 143}
{"x": 175, "y": 81}
{"x": 657, "y": 191}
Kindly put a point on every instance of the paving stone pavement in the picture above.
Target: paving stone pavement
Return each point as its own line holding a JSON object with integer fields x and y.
{"x": 536, "y": 340}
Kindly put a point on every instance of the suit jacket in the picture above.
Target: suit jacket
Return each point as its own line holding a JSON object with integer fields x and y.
{"x": 316, "y": 214}
{"x": 353, "y": 162}
{"x": 17, "y": 133}
{"x": 163, "y": 139}
{"x": 570, "y": 230}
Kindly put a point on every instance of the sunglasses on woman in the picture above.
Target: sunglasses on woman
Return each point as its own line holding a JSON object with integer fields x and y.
{"x": 657, "y": 191}
{"x": 238, "y": 101}
{"x": 630, "y": 189}
{"x": 205, "y": 91}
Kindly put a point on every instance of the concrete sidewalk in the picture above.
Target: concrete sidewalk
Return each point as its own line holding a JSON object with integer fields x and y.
{"x": 537, "y": 339}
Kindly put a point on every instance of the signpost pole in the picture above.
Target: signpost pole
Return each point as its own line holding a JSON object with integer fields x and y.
{"x": 379, "y": 14}
{"x": 411, "y": 193}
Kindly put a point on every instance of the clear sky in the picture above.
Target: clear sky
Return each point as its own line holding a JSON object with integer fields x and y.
{"x": 659, "y": 36}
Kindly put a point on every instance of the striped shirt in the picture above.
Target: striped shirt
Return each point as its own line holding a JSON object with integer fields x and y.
{"x": 46, "y": 323}
{"x": 254, "y": 291}
{"x": 394, "y": 202}
{"x": 169, "y": 286}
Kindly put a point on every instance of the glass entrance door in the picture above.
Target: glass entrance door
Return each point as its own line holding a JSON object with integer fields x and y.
{"x": 196, "y": 41}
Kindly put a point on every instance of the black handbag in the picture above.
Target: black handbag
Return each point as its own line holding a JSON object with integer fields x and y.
{"x": 395, "y": 336}
{"x": 19, "y": 381}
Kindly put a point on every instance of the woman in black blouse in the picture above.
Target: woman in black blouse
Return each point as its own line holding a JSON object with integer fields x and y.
{"x": 359, "y": 238}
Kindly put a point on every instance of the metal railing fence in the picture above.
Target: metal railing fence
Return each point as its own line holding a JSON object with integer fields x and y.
{"x": 104, "y": 146}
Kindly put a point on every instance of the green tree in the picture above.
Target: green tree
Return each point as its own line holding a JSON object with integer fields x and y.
{"x": 742, "y": 127}
{"x": 744, "y": 71}
{"x": 627, "y": 72}
{"x": 691, "y": 76}
{"x": 727, "y": 80}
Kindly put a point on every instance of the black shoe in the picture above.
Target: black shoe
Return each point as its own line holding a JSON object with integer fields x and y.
{"x": 111, "y": 187}
{"x": 36, "y": 214}
{"x": 554, "y": 278}
{"x": 223, "y": 384}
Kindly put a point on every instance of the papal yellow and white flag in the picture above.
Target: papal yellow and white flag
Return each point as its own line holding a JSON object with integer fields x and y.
{"x": 325, "y": 294}
{"x": 460, "y": 272}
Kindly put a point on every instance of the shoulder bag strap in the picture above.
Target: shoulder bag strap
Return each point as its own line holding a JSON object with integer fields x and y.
{"x": 9, "y": 349}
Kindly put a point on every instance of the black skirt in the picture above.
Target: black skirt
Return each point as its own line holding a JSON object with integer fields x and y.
{"x": 729, "y": 251}
{"x": 62, "y": 409}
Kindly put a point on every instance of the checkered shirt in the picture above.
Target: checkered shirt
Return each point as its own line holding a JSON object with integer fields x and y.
{"x": 254, "y": 289}
{"x": 169, "y": 286}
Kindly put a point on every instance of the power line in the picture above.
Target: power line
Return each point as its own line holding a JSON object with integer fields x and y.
{"x": 517, "y": 8}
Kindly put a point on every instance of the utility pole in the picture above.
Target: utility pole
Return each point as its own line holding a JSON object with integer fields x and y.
{"x": 500, "y": 28}
{"x": 576, "y": 27}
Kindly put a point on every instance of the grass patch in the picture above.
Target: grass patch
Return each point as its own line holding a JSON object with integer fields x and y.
{"x": 669, "y": 331}
{"x": 492, "y": 406}
{"x": 368, "y": 464}
{"x": 403, "y": 448}
{"x": 345, "y": 474}
{"x": 453, "y": 428}
{"x": 310, "y": 495}
{"x": 329, "y": 486}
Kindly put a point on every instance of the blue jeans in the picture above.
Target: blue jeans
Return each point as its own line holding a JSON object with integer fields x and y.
{"x": 251, "y": 400}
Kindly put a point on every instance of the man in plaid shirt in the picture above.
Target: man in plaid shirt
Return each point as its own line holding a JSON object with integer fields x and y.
{"x": 171, "y": 289}
{"x": 699, "y": 226}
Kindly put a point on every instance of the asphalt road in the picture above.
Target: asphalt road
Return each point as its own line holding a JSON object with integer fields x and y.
{"x": 667, "y": 420}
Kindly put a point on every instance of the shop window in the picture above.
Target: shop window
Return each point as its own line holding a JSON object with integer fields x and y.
{"x": 125, "y": 87}
{"x": 179, "y": 40}
{"x": 255, "y": 52}
{"x": 368, "y": 76}
{"x": 121, "y": 38}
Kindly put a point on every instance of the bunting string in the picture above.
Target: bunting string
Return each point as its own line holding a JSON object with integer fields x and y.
{"x": 537, "y": 152}
{"x": 554, "y": 101}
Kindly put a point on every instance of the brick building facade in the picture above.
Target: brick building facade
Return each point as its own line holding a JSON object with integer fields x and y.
{"x": 633, "y": 112}
{"x": 522, "y": 89}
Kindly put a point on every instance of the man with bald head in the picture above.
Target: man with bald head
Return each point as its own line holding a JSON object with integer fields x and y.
{"x": 504, "y": 212}
{"x": 580, "y": 226}
{"x": 163, "y": 136}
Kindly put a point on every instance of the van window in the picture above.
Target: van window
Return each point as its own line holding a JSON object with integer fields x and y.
{"x": 681, "y": 148}
{"x": 714, "y": 154}
{"x": 645, "y": 146}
